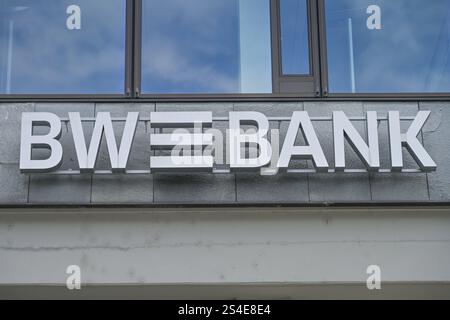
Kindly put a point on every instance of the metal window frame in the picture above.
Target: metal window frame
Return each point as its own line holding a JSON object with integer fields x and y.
{"x": 128, "y": 84}
{"x": 137, "y": 48}
{"x": 304, "y": 85}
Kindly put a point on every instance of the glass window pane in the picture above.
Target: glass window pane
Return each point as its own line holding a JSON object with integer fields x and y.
{"x": 294, "y": 37}
{"x": 388, "y": 46}
{"x": 62, "y": 47}
{"x": 206, "y": 46}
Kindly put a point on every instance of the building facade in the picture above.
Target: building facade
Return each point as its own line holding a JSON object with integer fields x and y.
{"x": 345, "y": 104}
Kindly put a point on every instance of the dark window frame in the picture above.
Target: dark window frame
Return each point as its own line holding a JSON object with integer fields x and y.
{"x": 318, "y": 78}
{"x": 304, "y": 85}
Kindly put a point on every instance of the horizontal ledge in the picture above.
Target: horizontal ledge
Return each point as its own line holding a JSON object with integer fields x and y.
{"x": 208, "y": 207}
{"x": 228, "y": 171}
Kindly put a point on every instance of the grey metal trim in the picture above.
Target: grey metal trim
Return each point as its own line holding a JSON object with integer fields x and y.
{"x": 415, "y": 205}
{"x": 129, "y": 84}
{"x": 117, "y": 99}
{"x": 323, "y": 60}
{"x": 137, "y": 47}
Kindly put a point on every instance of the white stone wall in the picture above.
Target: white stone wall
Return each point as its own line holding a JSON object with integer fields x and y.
{"x": 225, "y": 246}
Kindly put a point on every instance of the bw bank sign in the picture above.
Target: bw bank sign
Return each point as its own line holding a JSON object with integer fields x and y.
{"x": 191, "y": 143}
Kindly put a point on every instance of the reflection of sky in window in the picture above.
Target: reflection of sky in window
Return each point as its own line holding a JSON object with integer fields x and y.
{"x": 206, "y": 46}
{"x": 49, "y": 58}
{"x": 294, "y": 37}
{"x": 409, "y": 54}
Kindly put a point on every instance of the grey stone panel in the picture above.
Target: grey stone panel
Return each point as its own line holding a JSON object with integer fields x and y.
{"x": 197, "y": 187}
{"x": 122, "y": 189}
{"x": 52, "y": 189}
{"x": 140, "y": 150}
{"x": 125, "y": 188}
{"x": 194, "y": 188}
{"x": 270, "y": 109}
{"x": 436, "y": 134}
{"x": 217, "y": 109}
{"x": 63, "y": 189}
{"x": 340, "y": 187}
{"x": 14, "y": 185}
{"x": 396, "y": 186}
{"x": 10, "y": 126}
{"x": 280, "y": 188}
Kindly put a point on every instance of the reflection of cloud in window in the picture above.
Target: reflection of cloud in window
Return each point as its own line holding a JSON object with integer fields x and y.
{"x": 168, "y": 63}
{"x": 409, "y": 54}
{"x": 190, "y": 45}
{"x": 196, "y": 46}
{"x": 48, "y": 58}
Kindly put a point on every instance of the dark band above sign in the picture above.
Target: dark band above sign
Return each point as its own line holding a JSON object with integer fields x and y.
{"x": 195, "y": 145}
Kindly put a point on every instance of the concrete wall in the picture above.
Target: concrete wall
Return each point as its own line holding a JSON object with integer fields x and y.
{"x": 283, "y": 248}
{"x": 239, "y": 188}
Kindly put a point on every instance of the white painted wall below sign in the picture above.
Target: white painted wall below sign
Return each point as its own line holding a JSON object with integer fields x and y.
{"x": 225, "y": 246}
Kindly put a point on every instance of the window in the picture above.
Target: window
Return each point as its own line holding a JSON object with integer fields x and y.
{"x": 294, "y": 37}
{"x": 388, "y": 46}
{"x": 206, "y": 46}
{"x": 296, "y": 52}
{"x": 224, "y": 49}
{"x": 62, "y": 47}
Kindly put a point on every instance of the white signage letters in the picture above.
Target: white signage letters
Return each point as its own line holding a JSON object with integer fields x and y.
{"x": 409, "y": 141}
{"x": 313, "y": 151}
{"x": 49, "y": 141}
{"x": 344, "y": 129}
{"x": 196, "y": 120}
{"x": 191, "y": 146}
{"x": 259, "y": 138}
{"x": 103, "y": 126}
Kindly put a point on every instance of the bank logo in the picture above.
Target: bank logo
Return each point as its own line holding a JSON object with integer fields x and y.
{"x": 249, "y": 142}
